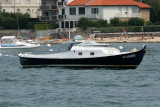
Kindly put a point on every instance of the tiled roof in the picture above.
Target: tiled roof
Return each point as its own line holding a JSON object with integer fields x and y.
{"x": 109, "y": 3}
{"x": 79, "y": 2}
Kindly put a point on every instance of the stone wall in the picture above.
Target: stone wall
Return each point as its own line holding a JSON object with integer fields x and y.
{"x": 29, "y": 33}
{"x": 145, "y": 14}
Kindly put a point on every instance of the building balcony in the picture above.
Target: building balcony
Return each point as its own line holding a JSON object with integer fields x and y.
{"x": 46, "y": 0}
{"x": 61, "y": 16}
{"x": 127, "y": 15}
{"x": 48, "y": 18}
{"x": 48, "y": 7}
{"x": 93, "y": 16}
{"x": 61, "y": 4}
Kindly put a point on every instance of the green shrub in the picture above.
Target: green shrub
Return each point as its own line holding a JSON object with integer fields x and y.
{"x": 108, "y": 29}
{"x": 129, "y": 29}
{"x": 9, "y": 23}
{"x": 123, "y": 23}
{"x": 84, "y": 23}
{"x": 149, "y": 23}
{"x": 115, "y": 22}
{"x": 135, "y": 29}
{"x": 90, "y": 23}
{"x": 101, "y": 23}
{"x": 136, "y": 22}
{"x": 45, "y": 26}
{"x": 157, "y": 23}
{"x": 151, "y": 28}
{"x": 30, "y": 25}
{"x": 1, "y": 27}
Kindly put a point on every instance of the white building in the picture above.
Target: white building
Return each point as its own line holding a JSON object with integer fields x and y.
{"x": 101, "y": 9}
{"x": 22, "y": 6}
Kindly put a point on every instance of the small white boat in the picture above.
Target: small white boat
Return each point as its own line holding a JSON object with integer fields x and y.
{"x": 11, "y": 42}
{"x": 32, "y": 42}
{"x": 76, "y": 40}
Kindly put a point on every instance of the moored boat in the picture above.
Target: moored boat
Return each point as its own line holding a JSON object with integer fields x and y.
{"x": 86, "y": 56}
{"x": 11, "y": 42}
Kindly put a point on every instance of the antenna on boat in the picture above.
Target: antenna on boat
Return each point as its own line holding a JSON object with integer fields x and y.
{"x": 69, "y": 34}
{"x": 18, "y": 34}
{"x": 17, "y": 13}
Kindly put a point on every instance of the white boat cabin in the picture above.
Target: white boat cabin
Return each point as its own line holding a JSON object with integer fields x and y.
{"x": 11, "y": 40}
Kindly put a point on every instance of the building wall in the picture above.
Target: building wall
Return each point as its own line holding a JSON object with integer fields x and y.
{"x": 23, "y": 6}
{"x": 122, "y": 12}
{"x": 145, "y": 14}
{"x": 106, "y": 12}
{"x": 109, "y": 12}
{"x": 0, "y": 7}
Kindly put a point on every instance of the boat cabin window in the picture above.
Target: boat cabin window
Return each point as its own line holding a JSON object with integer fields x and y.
{"x": 79, "y": 53}
{"x": 92, "y": 53}
{"x": 7, "y": 41}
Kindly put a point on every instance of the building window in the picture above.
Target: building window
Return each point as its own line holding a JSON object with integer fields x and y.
{"x": 18, "y": 10}
{"x": 17, "y": 1}
{"x": 27, "y": 1}
{"x": 38, "y": 12}
{"x": 6, "y": 1}
{"x": 62, "y": 24}
{"x": 92, "y": 53}
{"x": 119, "y": 9}
{"x": 81, "y": 10}
{"x": 71, "y": 24}
{"x": 79, "y": 53}
{"x": 37, "y": 1}
{"x": 63, "y": 11}
{"x": 75, "y": 23}
{"x": 28, "y": 11}
{"x": 94, "y": 10}
{"x": 126, "y": 11}
{"x": 72, "y": 11}
{"x": 66, "y": 24}
{"x": 4, "y": 10}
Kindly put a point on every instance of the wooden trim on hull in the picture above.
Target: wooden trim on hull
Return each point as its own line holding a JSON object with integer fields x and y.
{"x": 85, "y": 66}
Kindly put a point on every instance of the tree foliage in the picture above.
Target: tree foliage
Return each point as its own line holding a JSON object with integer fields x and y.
{"x": 155, "y": 9}
{"x": 12, "y": 21}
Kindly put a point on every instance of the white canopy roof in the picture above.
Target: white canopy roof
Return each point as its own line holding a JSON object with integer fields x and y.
{"x": 8, "y": 37}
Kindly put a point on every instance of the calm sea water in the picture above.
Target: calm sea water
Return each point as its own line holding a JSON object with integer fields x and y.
{"x": 71, "y": 87}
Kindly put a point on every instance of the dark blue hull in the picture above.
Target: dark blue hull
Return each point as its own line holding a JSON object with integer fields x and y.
{"x": 129, "y": 60}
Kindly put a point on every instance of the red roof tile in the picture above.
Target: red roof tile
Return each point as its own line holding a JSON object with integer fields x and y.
{"x": 79, "y": 2}
{"x": 109, "y": 3}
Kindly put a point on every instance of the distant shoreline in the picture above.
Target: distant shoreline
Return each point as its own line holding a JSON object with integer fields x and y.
{"x": 108, "y": 40}
{"x": 128, "y": 40}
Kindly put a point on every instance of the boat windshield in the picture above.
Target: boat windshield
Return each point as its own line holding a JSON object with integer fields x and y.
{"x": 10, "y": 41}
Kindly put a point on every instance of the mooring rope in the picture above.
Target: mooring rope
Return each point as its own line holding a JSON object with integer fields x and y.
{"x": 11, "y": 58}
{"x": 152, "y": 56}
